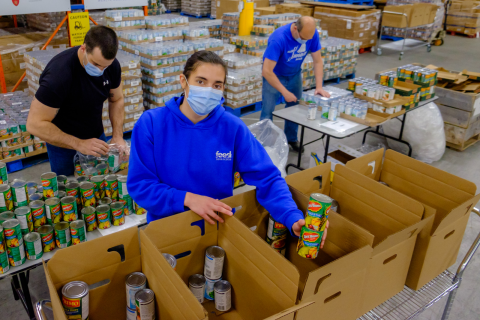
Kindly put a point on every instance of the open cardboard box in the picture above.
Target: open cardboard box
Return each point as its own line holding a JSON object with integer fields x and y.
{"x": 105, "y": 262}
{"x": 447, "y": 199}
{"x": 393, "y": 218}
{"x": 335, "y": 278}
{"x": 264, "y": 284}
{"x": 373, "y": 118}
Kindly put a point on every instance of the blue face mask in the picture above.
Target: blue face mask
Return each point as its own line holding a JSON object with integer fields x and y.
{"x": 203, "y": 100}
{"x": 301, "y": 41}
{"x": 92, "y": 70}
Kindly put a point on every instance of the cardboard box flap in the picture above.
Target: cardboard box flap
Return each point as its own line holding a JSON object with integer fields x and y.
{"x": 462, "y": 210}
{"x": 369, "y": 165}
{"x": 316, "y": 179}
{"x": 247, "y": 208}
{"x": 169, "y": 291}
{"x": 290, "y": 311}
{"x": 57, "y": 306}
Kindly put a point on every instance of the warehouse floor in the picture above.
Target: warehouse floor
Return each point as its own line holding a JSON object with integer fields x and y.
{"x": 457, "y": 53}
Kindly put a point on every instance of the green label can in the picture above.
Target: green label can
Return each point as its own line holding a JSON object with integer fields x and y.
{"x": 54, "y": 210}
{"x": 317, "y": 213}
{"x": 6, "y": 215}
{"x": 4, "y": 265}
{"x": 20, "y": 194}
{"x": 103, "y": 216}
{"x": 61, "y": 179}
{"x": 99, "y": 181}
{"x": 73, "y": 190}
{"x": 48, "y": 240}
{"x": 2, "y": 240}
{"x": 78, "y": 168}
{"x": 33, "y": 244}
{"x": 16, "y": 256}
{"x": 118, "y": 217}
{"x": 62, "y": 235}
{"x": 309, "y": 243}
{"x": 122, "y": 187}
{"x": 50, "y": 185}
{"x": 102, "y": 169}
{"x": 6, "y": 200}
{"x": 13, "y": 233}
{"x": 111, "y": 187}
{"x": 69, "y": 208}
{"x": 78, "y": 231}
{"x": 113, "y": 162}
{"x": 139, "y": 210}
{"x": 90, "y": 218}
{"x": 127, "y": 205}
{"x": 276, "y": 235}
{"x": 24, "y": 215}
{"x": 3, "y": 173}
{"x": 87, "y": 191}
{"x": 38, "y": 212}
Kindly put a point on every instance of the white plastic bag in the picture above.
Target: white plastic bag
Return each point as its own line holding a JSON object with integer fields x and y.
{"x": 423, "y": 130}
{"x": 274, "y": 141}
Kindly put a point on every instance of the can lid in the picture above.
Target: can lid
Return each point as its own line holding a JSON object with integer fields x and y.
{"x": 103, "y": 208}
{"x": 122, "y": 179}
{"x": 31, "y": 184}
{"x": 36, "y": 204}
{"x": 215, "y": 252}
{"x": 87, "y": 185}
{"x": 111, "y": 177}
{"x": 196, "y": 280}
{"x": 11, "y": 223}
{"x": 77, "y": 224}
{"x": 17, "y": 183}
{"x": 222, "y": 286}
{"x": 21, "y": 211}
{"x": 101, "y": 166}
{"x": 75, "y": 289}
{"x": 171, "y": 259}
{"x": 136, "y": 279}
{"x": 104, "y": 201}
{"x": 45, "y": 229}
{"x": 116, "y": 205}
{"x": 52, "y": 201}
{"x": 321, "y": 197}
{"x": 35, "y": 197}
{"x": 61, "y": 178}
{"x": 72, "y": 185}
{"x": 144, "y": 295}
{"x": 88, "y": 210}
{"x": 4, "y": 187}
{"x": 81, "y": 179}
{"x": 31, "y": 237}
{"x": 48, "y": 175}
{"x": 97, "y": 178}
{"x": 61, "y": 225}
{"x": 69, "y": 199}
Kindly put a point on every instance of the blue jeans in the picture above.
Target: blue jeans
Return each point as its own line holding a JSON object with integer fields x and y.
{"x": 61, "y": 159}
{"x": 270, "y": 96}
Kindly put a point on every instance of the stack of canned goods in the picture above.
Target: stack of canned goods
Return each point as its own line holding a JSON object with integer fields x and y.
{"x": 211, "y": 286}
{"x": 374, "y": 90}
{"x": 140, "y": 300}
{"x": 315, "y": 222}
{"x": 388, "y": 78}
{"x": 276, "y": 235}
{"x": 91, "y": 166}
{"x": 419, "y": 75}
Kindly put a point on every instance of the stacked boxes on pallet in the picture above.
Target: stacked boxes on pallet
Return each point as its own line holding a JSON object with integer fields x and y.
{"x": 35, "y": 63}
{"x": 464, "y": 17}
{"x": 197, "y": 8}
{"x": 48, "y": 21}
{"x": 244, "y": 85}
{"x": 127, "y": 19}
{"x": 172, "y": 5}
{"x": 214, "y": 27}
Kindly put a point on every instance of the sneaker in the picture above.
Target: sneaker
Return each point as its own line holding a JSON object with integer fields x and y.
{"x": 296, "y": 146}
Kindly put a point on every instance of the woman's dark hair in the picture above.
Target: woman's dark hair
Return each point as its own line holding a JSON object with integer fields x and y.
{"x": 203, "y": 57}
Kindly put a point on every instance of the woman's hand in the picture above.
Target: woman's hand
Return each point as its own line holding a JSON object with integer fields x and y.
{"x": 297, "y": 227}
{"x": 206, "y": 207}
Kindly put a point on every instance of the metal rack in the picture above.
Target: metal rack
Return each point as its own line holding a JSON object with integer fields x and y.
{"x": 404, "y": 44}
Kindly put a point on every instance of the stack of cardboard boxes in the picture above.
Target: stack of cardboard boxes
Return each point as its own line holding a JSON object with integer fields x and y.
{"x": 223, "y": 6}
{"x": 418, "y": 14}
{"x": 361, "y": 26}
{"x": 302, "y": 9}
{"x": 464, "y": 17}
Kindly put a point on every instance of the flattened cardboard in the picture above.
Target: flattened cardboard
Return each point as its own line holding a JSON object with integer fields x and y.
{"x": 447, "y": 199}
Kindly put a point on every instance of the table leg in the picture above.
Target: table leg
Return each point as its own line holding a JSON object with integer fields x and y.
{"x": 15, "y": 285}
{"x": 26, "y": 293}
{"x": 299, "y": 159}
{"x": 326, "y": 149}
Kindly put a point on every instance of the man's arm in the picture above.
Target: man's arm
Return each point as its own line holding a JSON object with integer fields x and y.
{"x": 116, "y": 111}
{"x": 39, "y": 123}
{"x": 318, "y": 68}
{"x": 267, "y": 73}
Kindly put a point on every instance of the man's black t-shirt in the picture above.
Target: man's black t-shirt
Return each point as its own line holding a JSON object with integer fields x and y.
{"x": 65, "y": 85}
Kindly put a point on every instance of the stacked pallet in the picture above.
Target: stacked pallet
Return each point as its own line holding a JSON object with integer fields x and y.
{"x": 197, "y": 8}
{"x": 464, "y": 17}
{"x": 48, "y": 21}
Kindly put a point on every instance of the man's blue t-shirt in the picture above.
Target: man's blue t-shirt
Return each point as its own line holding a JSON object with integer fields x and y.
{"x": 287, "y": 52}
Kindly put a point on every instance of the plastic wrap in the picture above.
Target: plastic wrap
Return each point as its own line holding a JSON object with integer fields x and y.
{"x": 423, "y": 130}
{"x": 115, "y": 160}
{"x": 274, "y": 141}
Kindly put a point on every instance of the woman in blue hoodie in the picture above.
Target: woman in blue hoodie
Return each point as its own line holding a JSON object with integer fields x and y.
{"x": 184, "y": 156}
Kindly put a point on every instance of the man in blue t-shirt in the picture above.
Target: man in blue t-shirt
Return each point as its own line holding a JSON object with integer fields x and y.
{"x": 282, "y": 69}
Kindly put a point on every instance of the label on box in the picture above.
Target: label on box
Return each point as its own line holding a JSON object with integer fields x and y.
{"x": 229, "y": 81}
{"x": 136, "y": 52}
{"x": 158, "y": 39}
{"x": 132, "y": 65}
{"x": 137, "y": 116}
{"x": 26, "y": 110}
{"x": 117, "y": 18}
{"x": 135, "y": 100}
{"x": 349, "y": 24}
{"x": 22, "y": 65}
{"x": 3, "y": 122}
{"x": 135, "y": 83}
{"x": 229, "y": 95}
{"x": 16, "y": 103}
{"x": 249, "y": 101}
{"x": 158, "y": 75}
{"x": 35, "y": 49}
{"x": 250, "y": 87}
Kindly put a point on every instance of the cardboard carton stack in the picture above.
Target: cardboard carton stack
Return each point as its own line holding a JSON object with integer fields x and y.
{"x": 361, "y": 26}
{"x": 224, "y": 6}
{"x": 48, "y": 22}
{"x": 213, "y": 9}
{"x": 464, "y": 17}
{"x": 418, "y": 14}
{"x": 126, "y": 19}
{"x": 172, "y": 5}
{"x": 301, "y": 9}
{"x": 197, "y": 8}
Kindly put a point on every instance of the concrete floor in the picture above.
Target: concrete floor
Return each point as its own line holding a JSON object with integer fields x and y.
{"x": 457, "y": 53}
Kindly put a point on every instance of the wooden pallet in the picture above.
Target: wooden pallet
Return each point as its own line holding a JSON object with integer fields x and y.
{"x": 363, "y": 50}
{"x": 453, "y": 33}
{"x": 465, "y": 144}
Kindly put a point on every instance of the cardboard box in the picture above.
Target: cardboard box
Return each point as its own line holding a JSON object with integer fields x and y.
{"x": 393, "y": 218}
{"x": 263, "y": 283}
{"x": 394, "y": 20}
{"x": 463, "y": 101}
{"x": 302, "y": 9}
{"x": 447, "y": 198}
{"x": 264, "y": 11}
{"x": 336, "y": 277}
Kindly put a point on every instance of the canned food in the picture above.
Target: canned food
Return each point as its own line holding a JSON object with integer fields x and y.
{"x": 61, "y": 179}
{"x": 114, "y": 161}
{"x": 145, "y": 304}
{"x": 54, "y": 210}
{"x": 214, "y": 258}
{"x": 19, "y": 192}
{"x": 122, "y": 187}
{"x": 103, "y": 216}
{"x": 90, "y": 172}
{"x": 61, "y": 194}
{"x": 13, "y": 233}
{"x": 35, "y": 196}
{"x": 139, "y": 210}
{"x": 75, "y": 300}
{"x": 73, "y": 190}
{"x": 171, "y": 260}
{"x": 312, "y": 112}
{"x": 196, "y": 283}
{"x": 62, "y": 235}
{"x": 87, "y": 191}
{"x": 118, "y": 217}
{"x": 351, "y": 85}
{"x": 24, "y": 215}
{"x": 209, "y": 284}
{"x": 105, "y": 200}
{"x": 38, "y": 213}
{"x": 276, "y": 235}
{"x": 4, "y": 265}
{"x": 102, "y": 168}
{"x": 49, "y": 183}
{"x": 61, "y": 187}
{"x": 6, "y": 201}
{"x": 309, "y": 243}
{"x": 317, "y": 213}
{"x": 223, "y": 295}
{"x": 90, "y": 218}
{"x": 134, "y": 282}
{"x": 33, "y": 244}
{"x": 16, "y": 255}
{"x": 131, "y": 314}
{"x": 335, "y": 206}
{"x": 78, "y": 168}
{"x": 32, "y": 184}
{"x": 82, "y": 179}
{"x": 78, "y": 231}
{"x": 69, "y": 208}
{"x": 7, "y": 215}
{"x": 46, "y": 234}
{"x": 2, "y": 240}
{"x": 3, "y": 173}
{"x": 98, "y": 182}
{"x": 111, "y": 187}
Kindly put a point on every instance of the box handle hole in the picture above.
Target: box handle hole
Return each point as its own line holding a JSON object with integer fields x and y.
{"x": 412, "y": 232}
{"x": 449, "y": 234}
{"x": 319, "y": 282}
{"x": 469, "y": 208}
{"x": 183, "y": 254}
{"x": 98, "y": 284}
{"x": 390, "y": 259}
{"x": 120, "y": 249}
{"x": 320, "y": 181}
{"x": 333, "y": 297}
{"x": 200, "y": 224}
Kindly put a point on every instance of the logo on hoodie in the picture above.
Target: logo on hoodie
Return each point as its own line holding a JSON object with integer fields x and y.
{"x": 224, "y": 156}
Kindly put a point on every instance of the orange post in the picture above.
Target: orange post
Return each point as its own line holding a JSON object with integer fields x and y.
{"x": 3, "y": 83}
{"x": 145, "y": 10}
{"x": 15, "y": 23}
{"x": 91, "y": 19}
